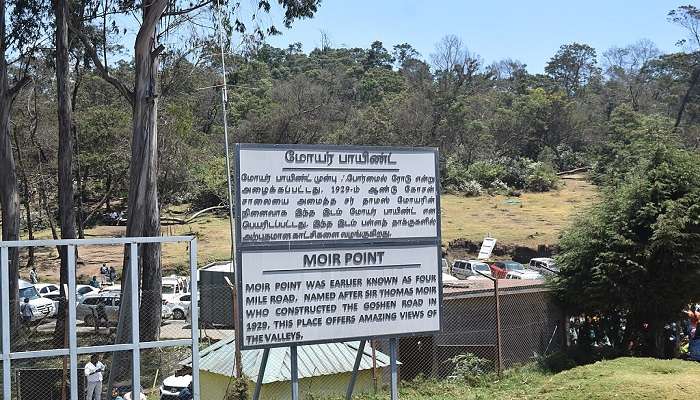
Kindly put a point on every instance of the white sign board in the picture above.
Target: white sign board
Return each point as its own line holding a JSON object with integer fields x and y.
{"x": 486, "y": 248}
{"x": 336, "y": 243}
{"x": 302, "y": 195}
{"x": 335, "y": 294}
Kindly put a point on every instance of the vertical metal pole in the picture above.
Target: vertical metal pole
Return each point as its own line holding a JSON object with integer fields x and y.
{"x": 355, "y": 368}
{"x": 261, "y": 374}
{"x": 135, "y": 334}
{"x": 5, "y": 285}
{"x": 229, "y": 183}
{"x": 394, "y": 370}
{"x": 295, "y": 372}
{"x": 72, "y": 335}
{"x": 194, "y": 321}
{"x": 499, "y": 349}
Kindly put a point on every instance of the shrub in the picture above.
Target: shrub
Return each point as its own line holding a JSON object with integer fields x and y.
{"x": 485, "y": 172}
{"x": 515, "y": 171}
{"x": 541, "y": 178}
{"x": 470, "y": 369}
{"x": 471, "y": 189}
{"x": 454, "y": 175}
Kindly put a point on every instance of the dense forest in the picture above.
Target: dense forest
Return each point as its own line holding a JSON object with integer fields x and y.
{"x": 498, "y": 126}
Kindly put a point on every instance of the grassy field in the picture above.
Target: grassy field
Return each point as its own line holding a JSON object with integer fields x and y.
{"x": 623, "y": 378}
{"x": 528, "y": 220}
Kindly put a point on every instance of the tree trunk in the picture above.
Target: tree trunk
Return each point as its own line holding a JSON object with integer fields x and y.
{"x": 65, "y": 158}
{"x": 79, "y": 181}
{"x": 143, "y": 209}
{"x": 26, "y": 199}
{"x": 9, "y": 194}
{"x": 694, "y": 78}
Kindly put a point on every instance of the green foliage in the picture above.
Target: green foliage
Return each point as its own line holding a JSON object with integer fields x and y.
{"x": 540, "y": 177}
{"x": 471, "y": 369}
{"x": 237, "y": 389}
{"x": 636, "y": 253}
{"x": 485, "y": 172}
{"x": 210, "y": 188}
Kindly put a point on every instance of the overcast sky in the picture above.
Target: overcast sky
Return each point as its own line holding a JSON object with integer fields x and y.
{"x": 530, "y": 31}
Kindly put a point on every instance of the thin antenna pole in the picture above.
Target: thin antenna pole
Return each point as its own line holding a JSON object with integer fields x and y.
{"x": 224, "y": 101}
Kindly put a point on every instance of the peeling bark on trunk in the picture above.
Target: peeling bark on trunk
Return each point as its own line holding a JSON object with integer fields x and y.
{"x": 9, "y": 194}
{"x": 65, "y": 158}
{"x": 143, "y": 208}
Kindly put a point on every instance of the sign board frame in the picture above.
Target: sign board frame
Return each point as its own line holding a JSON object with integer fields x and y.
{"x": 337, "y": 244}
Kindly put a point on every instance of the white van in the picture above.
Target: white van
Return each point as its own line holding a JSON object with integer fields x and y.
{"x": 41, "y": 307}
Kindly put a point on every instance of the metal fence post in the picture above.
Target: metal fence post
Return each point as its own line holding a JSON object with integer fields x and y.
{"x": 135, "y": 333}
{"x": 5, "y": 292}
{"x": 72, "y": 334}
{"x": 499, "y": 348}
{"x": 394, "y": 369}
{"x": 355, "y": 368}
{"x": 294, "y": 371}
{"x": 194, "y": 320}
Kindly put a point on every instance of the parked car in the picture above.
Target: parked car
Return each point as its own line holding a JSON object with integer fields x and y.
{"x": 82, "y": 290}
{"x": 499, "y": 269}
{"x": 468, "y": 269}
{"x": 545, "y": 266}
{"x": 41, "y": 307}
{"x": 445, "y": 266}
{"x": 179, "y": 305}
{"x": 50, "y": 291}
{"x": 173, "y": 286}
{"x": 523, "y": 274}
{"x": 173, "y": 385}
{"x": 47, "y": 288}
{"x": 86, "y": 310}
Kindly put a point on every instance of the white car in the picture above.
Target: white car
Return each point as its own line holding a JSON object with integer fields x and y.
{"x": 50, "y": 291}
{"x": 523, "y": 274}
{"x": 86, "y": 310}
{"x": 82, "y": 290}
{"x": 41, "y": 307}
{"x": 173, "y": 385}
{"x": 545, "y": 266}
{"x": 470, "y": 269}
{"x": 47, "y": 288}
{"x": 178, "y": 304}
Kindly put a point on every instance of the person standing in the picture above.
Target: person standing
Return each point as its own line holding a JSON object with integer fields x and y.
{"x": 94, "y": 282}
{"x": 103, "y": 273}
{"x": 33, "y": 276}
{"x": 112, "y": 274}
{"x": 93, "y": 373}
{"x": 25, "y": 310}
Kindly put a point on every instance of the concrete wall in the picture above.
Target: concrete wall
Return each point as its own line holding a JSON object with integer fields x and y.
{"x": 214, "y": 386}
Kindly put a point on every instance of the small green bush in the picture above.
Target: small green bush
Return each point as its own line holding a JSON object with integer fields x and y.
{"x": 541, "y": 178}
{"x": 485, "y": 172}
{"x": 471, "y": 369}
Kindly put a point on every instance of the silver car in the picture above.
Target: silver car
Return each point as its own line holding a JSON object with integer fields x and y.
{"x": 86, "y": 310}
{"x": 470, "y": 269}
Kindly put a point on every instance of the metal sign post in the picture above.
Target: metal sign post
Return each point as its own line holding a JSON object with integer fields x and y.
{"x": 394, "y": 370}
{"x": 294, "y": 371}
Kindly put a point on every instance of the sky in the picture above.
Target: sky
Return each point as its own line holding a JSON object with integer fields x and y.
{"x": 530, "y": 31}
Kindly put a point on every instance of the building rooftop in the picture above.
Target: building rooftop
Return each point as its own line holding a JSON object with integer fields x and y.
{"x": 313, "y": 360}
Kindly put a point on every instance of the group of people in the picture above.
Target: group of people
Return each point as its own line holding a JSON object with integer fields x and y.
{"x": 108, "y": 274}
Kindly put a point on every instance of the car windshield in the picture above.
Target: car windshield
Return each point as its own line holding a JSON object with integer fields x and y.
{"x": 513, "y": 266}
{"x": 29, "y": 292}
{"x": 168, "y": 289}
{"x": 481, "y": 267}
{"x": 84, "y": 290}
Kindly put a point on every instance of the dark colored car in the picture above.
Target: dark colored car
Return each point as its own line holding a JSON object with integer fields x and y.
{"x": 499, "y": 269}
